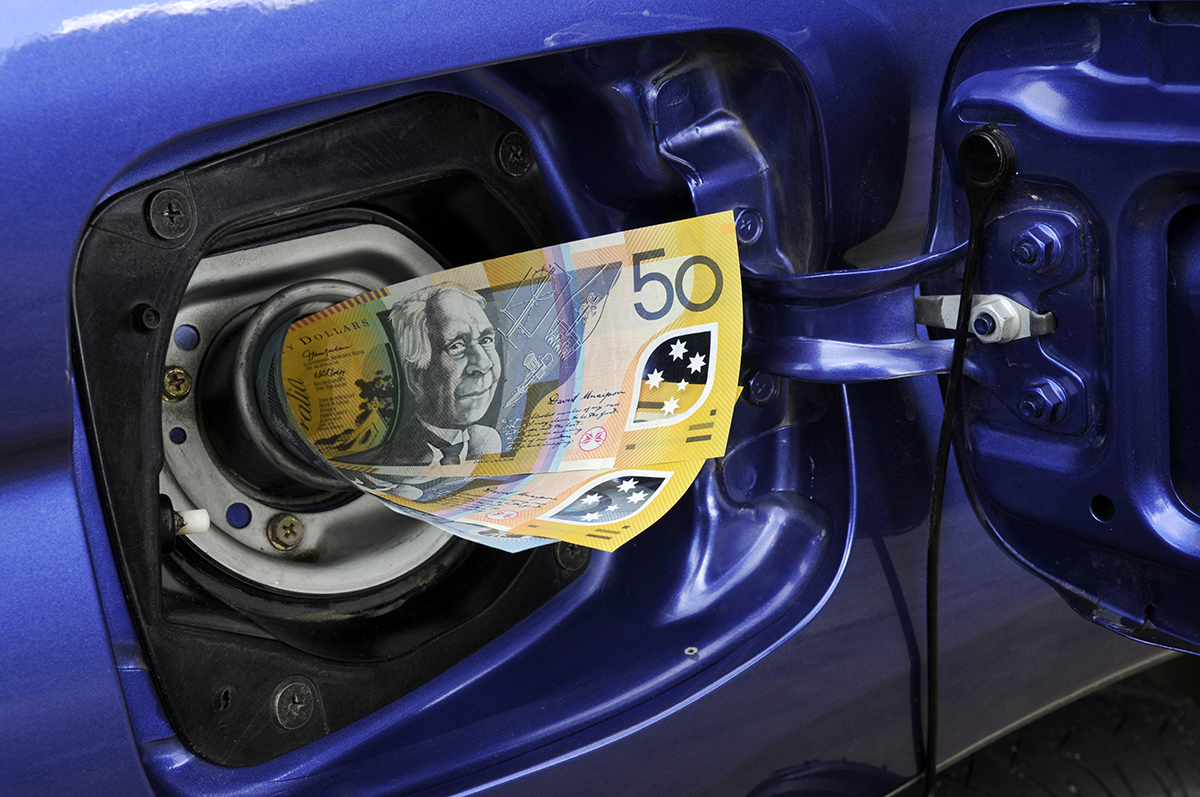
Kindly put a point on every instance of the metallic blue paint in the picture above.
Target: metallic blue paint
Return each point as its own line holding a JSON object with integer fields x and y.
{"x": 846, "y": 326}
{"x": 1118, "y": 538}
{"x": 797, "y": 582}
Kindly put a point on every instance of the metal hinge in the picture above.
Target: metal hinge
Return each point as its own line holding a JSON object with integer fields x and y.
{"x": 864, "y": 325}
{"x": 994, "y": 318}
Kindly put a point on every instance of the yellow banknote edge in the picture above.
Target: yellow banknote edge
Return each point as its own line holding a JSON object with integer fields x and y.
{"x": 596, "y": 509}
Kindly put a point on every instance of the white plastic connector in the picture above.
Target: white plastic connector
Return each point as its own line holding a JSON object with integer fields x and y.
{"x": 195, "y": 521}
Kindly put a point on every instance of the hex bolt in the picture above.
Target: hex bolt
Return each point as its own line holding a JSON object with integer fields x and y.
{"x": 761, "y": 388}
{"x": 748, "y": 225}
{"x": 514, "y": 155}
{"x": 285, "y": 532}
{"x": 1038, "y": 248}
{"x": 293, "y": 704}
{"x": 177, "y": 384}
{"x": 1043, "y": 403}
{"x": 996, "y": 321}
{"x": 571, "y": 557}
{"x": 1033, "y": 408}
{"x": 1026, "y": 254}
{"x": 169, "y": 214}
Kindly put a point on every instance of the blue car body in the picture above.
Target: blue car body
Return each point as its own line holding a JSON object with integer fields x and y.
{"x": 772, "y": 625}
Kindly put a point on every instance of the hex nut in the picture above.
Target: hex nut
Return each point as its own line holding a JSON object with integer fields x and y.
{"x": 1005, "y": 323}
{"x": 1038, "y": 248}
{"x": 1044, "y": 403}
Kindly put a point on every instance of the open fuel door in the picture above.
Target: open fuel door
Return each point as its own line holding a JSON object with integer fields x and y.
{"x": 1078, "y": 428}
{"x": 1081, "y": 445}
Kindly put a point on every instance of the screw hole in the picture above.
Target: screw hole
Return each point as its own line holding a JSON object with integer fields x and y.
{"x": 225, "y": 699}
{"x": 1103, "y": 509}
{"x": 178, "y": 435}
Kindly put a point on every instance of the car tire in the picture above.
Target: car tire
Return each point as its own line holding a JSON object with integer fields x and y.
{"x": 1136, "y": 738}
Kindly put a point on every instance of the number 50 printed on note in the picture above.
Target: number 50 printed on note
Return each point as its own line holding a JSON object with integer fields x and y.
{"x": 613, "y": 352}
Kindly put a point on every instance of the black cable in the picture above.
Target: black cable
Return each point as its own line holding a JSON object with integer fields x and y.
{"x": 986, "y": 162}
{"x": 941, "y": 463}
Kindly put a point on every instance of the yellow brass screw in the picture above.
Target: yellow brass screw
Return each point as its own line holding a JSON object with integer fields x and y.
{"x": 177, "y": 384}
{"x": 285, "y": 532}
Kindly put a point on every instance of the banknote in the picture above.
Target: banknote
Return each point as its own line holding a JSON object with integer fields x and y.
{"x": 596, "y": 509}
{"x": 611, "y": 353}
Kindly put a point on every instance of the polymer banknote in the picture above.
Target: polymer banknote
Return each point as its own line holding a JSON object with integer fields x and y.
{"x": 567, "y": 393}
{"x": 596, "y": 509}
{"x": 610, "y": 352}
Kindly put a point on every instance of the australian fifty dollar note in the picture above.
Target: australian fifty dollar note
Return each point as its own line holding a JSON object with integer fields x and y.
{"x": 598, "y": 509}
{"x": 614, "y": 352}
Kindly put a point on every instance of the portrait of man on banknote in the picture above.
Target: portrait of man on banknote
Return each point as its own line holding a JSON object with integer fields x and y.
{"x": 446, "y": 345}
